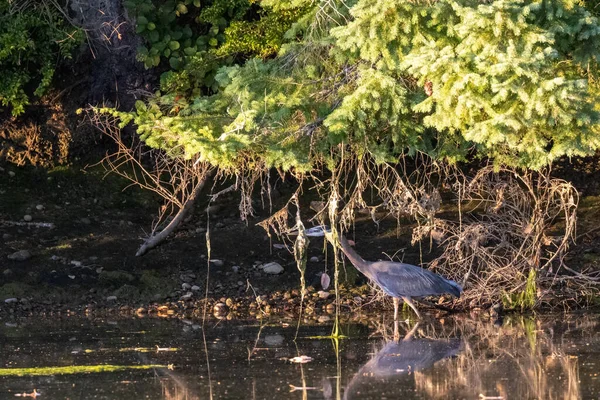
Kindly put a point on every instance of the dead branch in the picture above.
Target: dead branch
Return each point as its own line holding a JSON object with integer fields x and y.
{"x": 48, "y": 225}
{"x": 178, "y": 181}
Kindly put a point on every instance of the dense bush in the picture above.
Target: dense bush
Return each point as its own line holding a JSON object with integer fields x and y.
{"x": 193, "y": 39}
{"x": 34, "y": 37}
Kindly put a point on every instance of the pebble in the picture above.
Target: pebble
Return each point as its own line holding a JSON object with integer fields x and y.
{"x": 274, "y": 340}
{"x": 314, "y": 259}
{"x": 323, "y": 294}
{"x": 11, "y": 174}
{"x": 27, "y": 218}
{"x": 20, "y": 255}
{"x": 6, "y": 236}
{"x": 235, "y": 268}
{"x": 195, "y": 288}
{"x": 11, "y": 300}
{"x": 272, "y": 268}
{"x": 76, "y": 263}
{"x": 219, "y": 225}
{"x": 187, "y": 296}
{"x": 217, "y": 263}
{"x": 7, "y": 272}
{"x": 240, "y": 283}
{"x": 39, "y": 207}
{"x": 186, "y": 286}
{"x": 85, "y": 220}
{"x": 220, "y": 308}
{"x": 111, "y": 298}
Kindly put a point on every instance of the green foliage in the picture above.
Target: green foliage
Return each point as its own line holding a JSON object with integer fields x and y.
{"x": 262, "y": 37}
{"x": 177, "y": 30}
{"x": 526, "y": 299}
{"x": 513, "y": 80}
{"x": 33, "y": 36}
{"x": 196, "y": 38}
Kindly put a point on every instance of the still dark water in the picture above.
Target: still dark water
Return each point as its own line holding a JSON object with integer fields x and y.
{"x": 547, "y": 357}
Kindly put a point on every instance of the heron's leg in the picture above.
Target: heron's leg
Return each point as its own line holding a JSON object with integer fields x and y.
{"x": 408, "y": 301}
{"x": 396, "y": 333}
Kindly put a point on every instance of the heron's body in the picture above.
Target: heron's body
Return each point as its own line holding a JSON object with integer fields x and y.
{"x": 398, "y": 280}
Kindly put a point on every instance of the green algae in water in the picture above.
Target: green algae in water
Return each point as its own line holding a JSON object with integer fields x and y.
{"x": 75, "y": 369}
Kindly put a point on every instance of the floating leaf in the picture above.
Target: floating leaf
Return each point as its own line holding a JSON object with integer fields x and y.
{"x": 325, "y": 280}
{"x": 301, "y": 359}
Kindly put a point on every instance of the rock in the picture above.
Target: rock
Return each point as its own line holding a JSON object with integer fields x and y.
{"x": 186, "y": 286}
{"x": 11, "y": 174}
{"x": 240, "y": 283}
{"x": 111, "y": 298}
{"x": 85, "y": 221}
{"x": 11, "y": 300}
{"x": 235, "y": 268}
{"x": 272, "y": 268}
{"x": 323, "y": 294}
{"x": 213, "y": 209}
{"x": 314, "y": 259}
{"x": 317, "y": 206}
{"x": 217, "y": 263}
{"x": 39, "y": 207}
{"x": 187, "y": 296}
{"x": 195, "y": 288}
{"x": 274, "y": 340}
{"x": 220, "y": 308}
{"x": 76, "y": 263}
{"x": 20, "y": 255}
{"x": 27, "y": 218}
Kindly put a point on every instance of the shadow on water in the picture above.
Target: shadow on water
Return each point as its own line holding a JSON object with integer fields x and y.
{"x": 549, "y": 357}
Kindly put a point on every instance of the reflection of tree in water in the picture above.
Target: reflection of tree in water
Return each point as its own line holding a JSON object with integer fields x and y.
{"x": 523, "y": 358}
{"x": 519, "y": 360}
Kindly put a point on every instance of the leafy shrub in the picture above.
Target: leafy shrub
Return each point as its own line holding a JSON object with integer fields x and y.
{"x": 33, "y": 36}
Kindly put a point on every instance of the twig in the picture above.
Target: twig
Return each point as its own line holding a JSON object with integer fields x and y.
{"x": 48, "y": 225}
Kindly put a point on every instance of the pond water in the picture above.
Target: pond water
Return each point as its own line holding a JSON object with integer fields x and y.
{"x": 547, "y": 357}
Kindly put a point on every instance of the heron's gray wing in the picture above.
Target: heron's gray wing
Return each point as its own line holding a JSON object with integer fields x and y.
{"x": 399, "y": 279}
{"x": 414, "y": 354}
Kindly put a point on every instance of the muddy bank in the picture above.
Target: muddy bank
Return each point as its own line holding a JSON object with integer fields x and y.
{"x": 69, "y": 236}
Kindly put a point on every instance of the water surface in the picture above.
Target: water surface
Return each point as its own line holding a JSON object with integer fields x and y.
{"x": 549, "y": 357}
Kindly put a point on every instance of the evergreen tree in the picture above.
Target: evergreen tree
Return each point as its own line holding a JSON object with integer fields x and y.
{"x": 513, "y": 80}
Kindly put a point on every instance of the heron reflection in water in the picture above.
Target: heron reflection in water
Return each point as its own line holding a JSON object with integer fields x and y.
{"x": 402, "y": 358}
{"x": 396, "y": 279}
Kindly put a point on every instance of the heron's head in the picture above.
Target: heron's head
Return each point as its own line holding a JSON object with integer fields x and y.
{"x": 318, "y": 231}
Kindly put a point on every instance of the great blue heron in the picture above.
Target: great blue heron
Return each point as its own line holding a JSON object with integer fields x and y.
{"x": 398, "y": 280}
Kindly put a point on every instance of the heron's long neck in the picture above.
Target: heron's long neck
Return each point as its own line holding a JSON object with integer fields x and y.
{"x": 353, "y": 256}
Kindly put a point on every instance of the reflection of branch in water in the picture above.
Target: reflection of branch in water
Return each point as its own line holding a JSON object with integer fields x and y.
{"x": 173, "y": 387}
{"x": 522, "y": 352}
